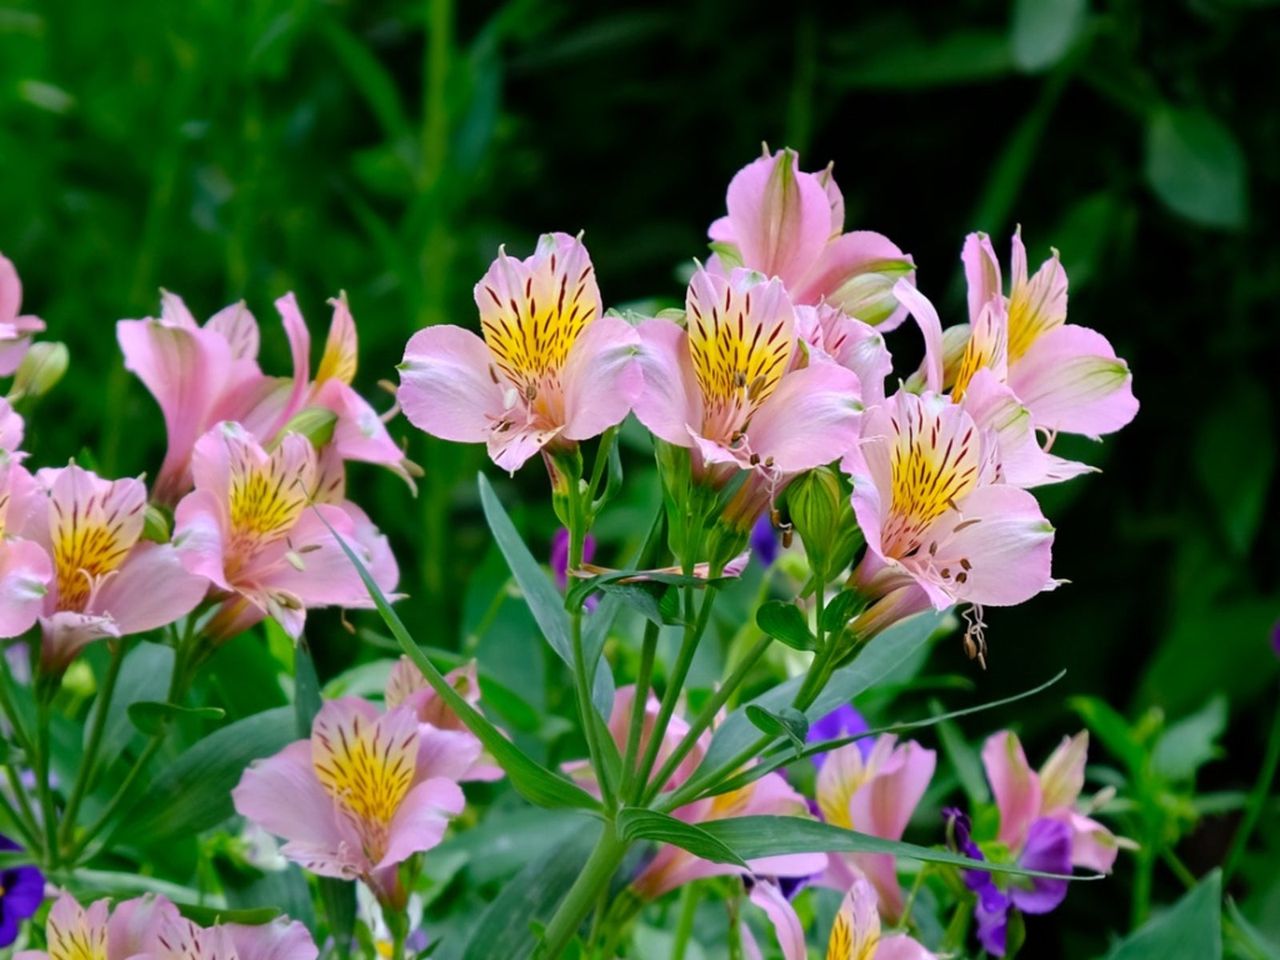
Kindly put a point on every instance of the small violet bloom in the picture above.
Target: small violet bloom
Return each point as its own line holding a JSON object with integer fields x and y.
{"x": 104, "y": 574}
{"x": 764, "y": 540}
{"x": 251, "y": 529}
{"x": 787, "y": 224}
{"x": 363, "y": 794}
{"x": 855, "y": 932}
{"x": 550, "y": 368}
{"x": 150, "y": 928}
{"x": 843, "y": 721}
{"x": 874, "y": 793}
{"x": 21, "y": 893}
{"x": 16, "y": 329}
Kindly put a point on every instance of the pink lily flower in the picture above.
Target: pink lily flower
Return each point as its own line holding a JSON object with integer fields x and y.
{"x": 25, "y": 568}
{"x": 16, "y": 330}
{"x": 935, "y": 519}
{"x": 1024, "y": 796}
{"x": 1067, "y": 376}
{"x": 362, "y": 795}
{"x": 407, "y": 685}
{"x": 727, "y": 387}
{"x": 860, "y": 347}
{"x": 787, "y": 224}
{"x": 875, "y": 795}
{"x": 104, "y": 574}
{"x": 150, "y": 928}
{"x": 201, "y": 376}
{"x": 550, "y": 368}
{"x": 251, "y": 529}
{"x": 855, "y": 932}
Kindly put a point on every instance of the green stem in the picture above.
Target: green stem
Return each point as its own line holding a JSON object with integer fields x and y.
{"x": 595, "y": 876}
{"x": 1257, "y": 799}
{"x": 113, "y": 805}
{"x": 23, "y": 818}
{"x": 689, "y": 897}
{"x": 639, "y": 702}
{"x": 43, "y": 757}
{"x": 10, "y": 708}
{"x": 708, "y": 715}
{"x": 679, "y": 673}
{"x": 89, "y": 764}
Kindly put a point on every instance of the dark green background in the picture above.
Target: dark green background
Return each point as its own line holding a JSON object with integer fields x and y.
{"x": 242, "y": 149}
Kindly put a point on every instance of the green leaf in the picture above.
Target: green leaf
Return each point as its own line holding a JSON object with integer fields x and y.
{"x": 1184, "y": 747}
{"x": 1189, "y": 930}
{"x": 144, "y": 675}
{"x": 1196, "y": 167}
{"x": 1044, "y": 30}
{"x": 875, "y": 660}
{"x": 840, "y": 609}
{"x": 307, "y": 699}
{"x": 909, "y": 63}
{"x": 545, "y": 602}
{"x": 1228, "y": 435}
{"x": 1254, "y": 942}
{"x": 503, "y": 930}
{"x": 194, "y": 792}
{"x": 206, "y": 916}
{"x": 12, "y": 755}
{"x": 151, "y": 716}
{"x": 784, "y": 621}
{"x": 636, "y": 823}
{"x": 1112, "y": 730}
{"x": 787, "y": 722}
{"x": 537, "y": 784}
{"x": 966, "y": 763}
{"x": 754, "y": 837}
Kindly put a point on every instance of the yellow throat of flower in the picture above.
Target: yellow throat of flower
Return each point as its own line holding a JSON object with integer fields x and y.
{"x": 87, "y": 547}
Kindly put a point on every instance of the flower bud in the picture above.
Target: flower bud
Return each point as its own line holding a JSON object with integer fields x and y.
{"x": 41, "y": 369}
{"x": 819, "y": 506}
{"x": 155, "y": 525}
{"x": 868, "y": 294}
{"x": 314, "y": 423}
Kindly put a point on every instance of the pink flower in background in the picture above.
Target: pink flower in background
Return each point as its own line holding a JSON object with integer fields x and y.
{"x": 1067, "y": 376}
{"x": 250, "y": 529}
{"x": 362, "y": 795}
{"x": 11, "y": 430}
{"x": 441, "y": 727}
{"x": 939, "y": 529}
{"x": 105, "y": 576}
{"x": 1024, "y": 797}
{"x": 25, "y": 567}
{"x": 787, "y": 224}
{"x": 16, "y": 330}
{"x": 727, "y": 386}
{"x": 874, "y": 794}
{"x": 151, "y": 928}
{"x": 855, "y": 932}
{"x": 203, "y": 375}
{"x": 549, "y": 368}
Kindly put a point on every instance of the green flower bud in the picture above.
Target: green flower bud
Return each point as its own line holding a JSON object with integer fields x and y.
{"x": 868, "y": 294}
{"x": 41, "y": 369}
{"x": 314, "y": 423}
{"x": 818, "y": 503}
{"x": 155, "y": 525}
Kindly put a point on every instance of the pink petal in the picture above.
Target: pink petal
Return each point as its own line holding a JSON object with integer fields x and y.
{"x": 930, "y": 328}
{"x": 295, "y": 328}
{"x": 782, "y": 915}
{"x": 601, "y": 378}
{"x": 359, "y": 433}
{"x": 811, "y": 419}
{"x": 1093, "y": 846}
{"x": 1015, "y": 785}
{"x": 25, "y": 572}
{"x": 133, "y": 925}
{"x": 1072, "y": 380}
{"x": 10, "y": 291}
{"x": 422, "y": 819}
{"x": 281, "y": 939}
{"x": 856, "y": 273}
{"x": 510, "y": 449}
{"x": 341, "y": 349}
{"x": 883, "y": 806}
{"x": 11, "y": 429}
{"x": 901, "y": 947}
{"x": 132, "y": 599}
{"x": 282, "y": 796}
{"x": 238, "y": 327}
{"x": 1062, "y": 775}
{"x": 200, "y": 536}
{"x": 669, "y": 401}
{"x": 448, "y": 754}
{"x": 63, "y": 634}
{"x": 981, "y": 272}
{"x": 446, "y": 387}
{"x": 781, "y": 218}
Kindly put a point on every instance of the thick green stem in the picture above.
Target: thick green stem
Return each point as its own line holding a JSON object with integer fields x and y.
{"x": 43, "y": 758}
{"x": 89, "y": 765}
{"x": 1257, "y": 799}
{"x": 635, "y": 730}
{"x": 689, "y": 897}
{"x": 708, "y": 715}
{"x": 595, "y": 876}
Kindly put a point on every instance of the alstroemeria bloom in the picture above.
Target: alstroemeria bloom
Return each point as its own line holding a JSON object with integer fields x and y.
{"x": 858, "y": 346}
{"x": 1068, "y": 376}
{"x": 16, "y": 330}
{"x": 251, "y": 528}
{"x": 549, "y": 368}
{"x": 855, "y": 932}
{"x": 25, "y": 567}
{"x": 362, "y": 795}
{"x": 939, "y": 529}
{"x": 874, "y": 794}
{"x": 728, "y": 387}
{"x": 1024, "y": 796}
{"x": 442, "y": 727}
{"x": 787, "y": 224}
{"x": 105, "y": 576}
{"x": 201, "y": 375}
{"x": 150, "y": 928}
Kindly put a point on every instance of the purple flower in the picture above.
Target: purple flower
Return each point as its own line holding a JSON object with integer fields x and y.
{"x": 21, "y": 892}
{"x": 560, "y": 555}
{"x": 764, "y": 541}
{"x": 843, "y": 721}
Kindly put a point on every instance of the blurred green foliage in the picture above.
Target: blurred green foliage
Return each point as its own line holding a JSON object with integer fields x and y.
{"x": 241, "y": 148}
